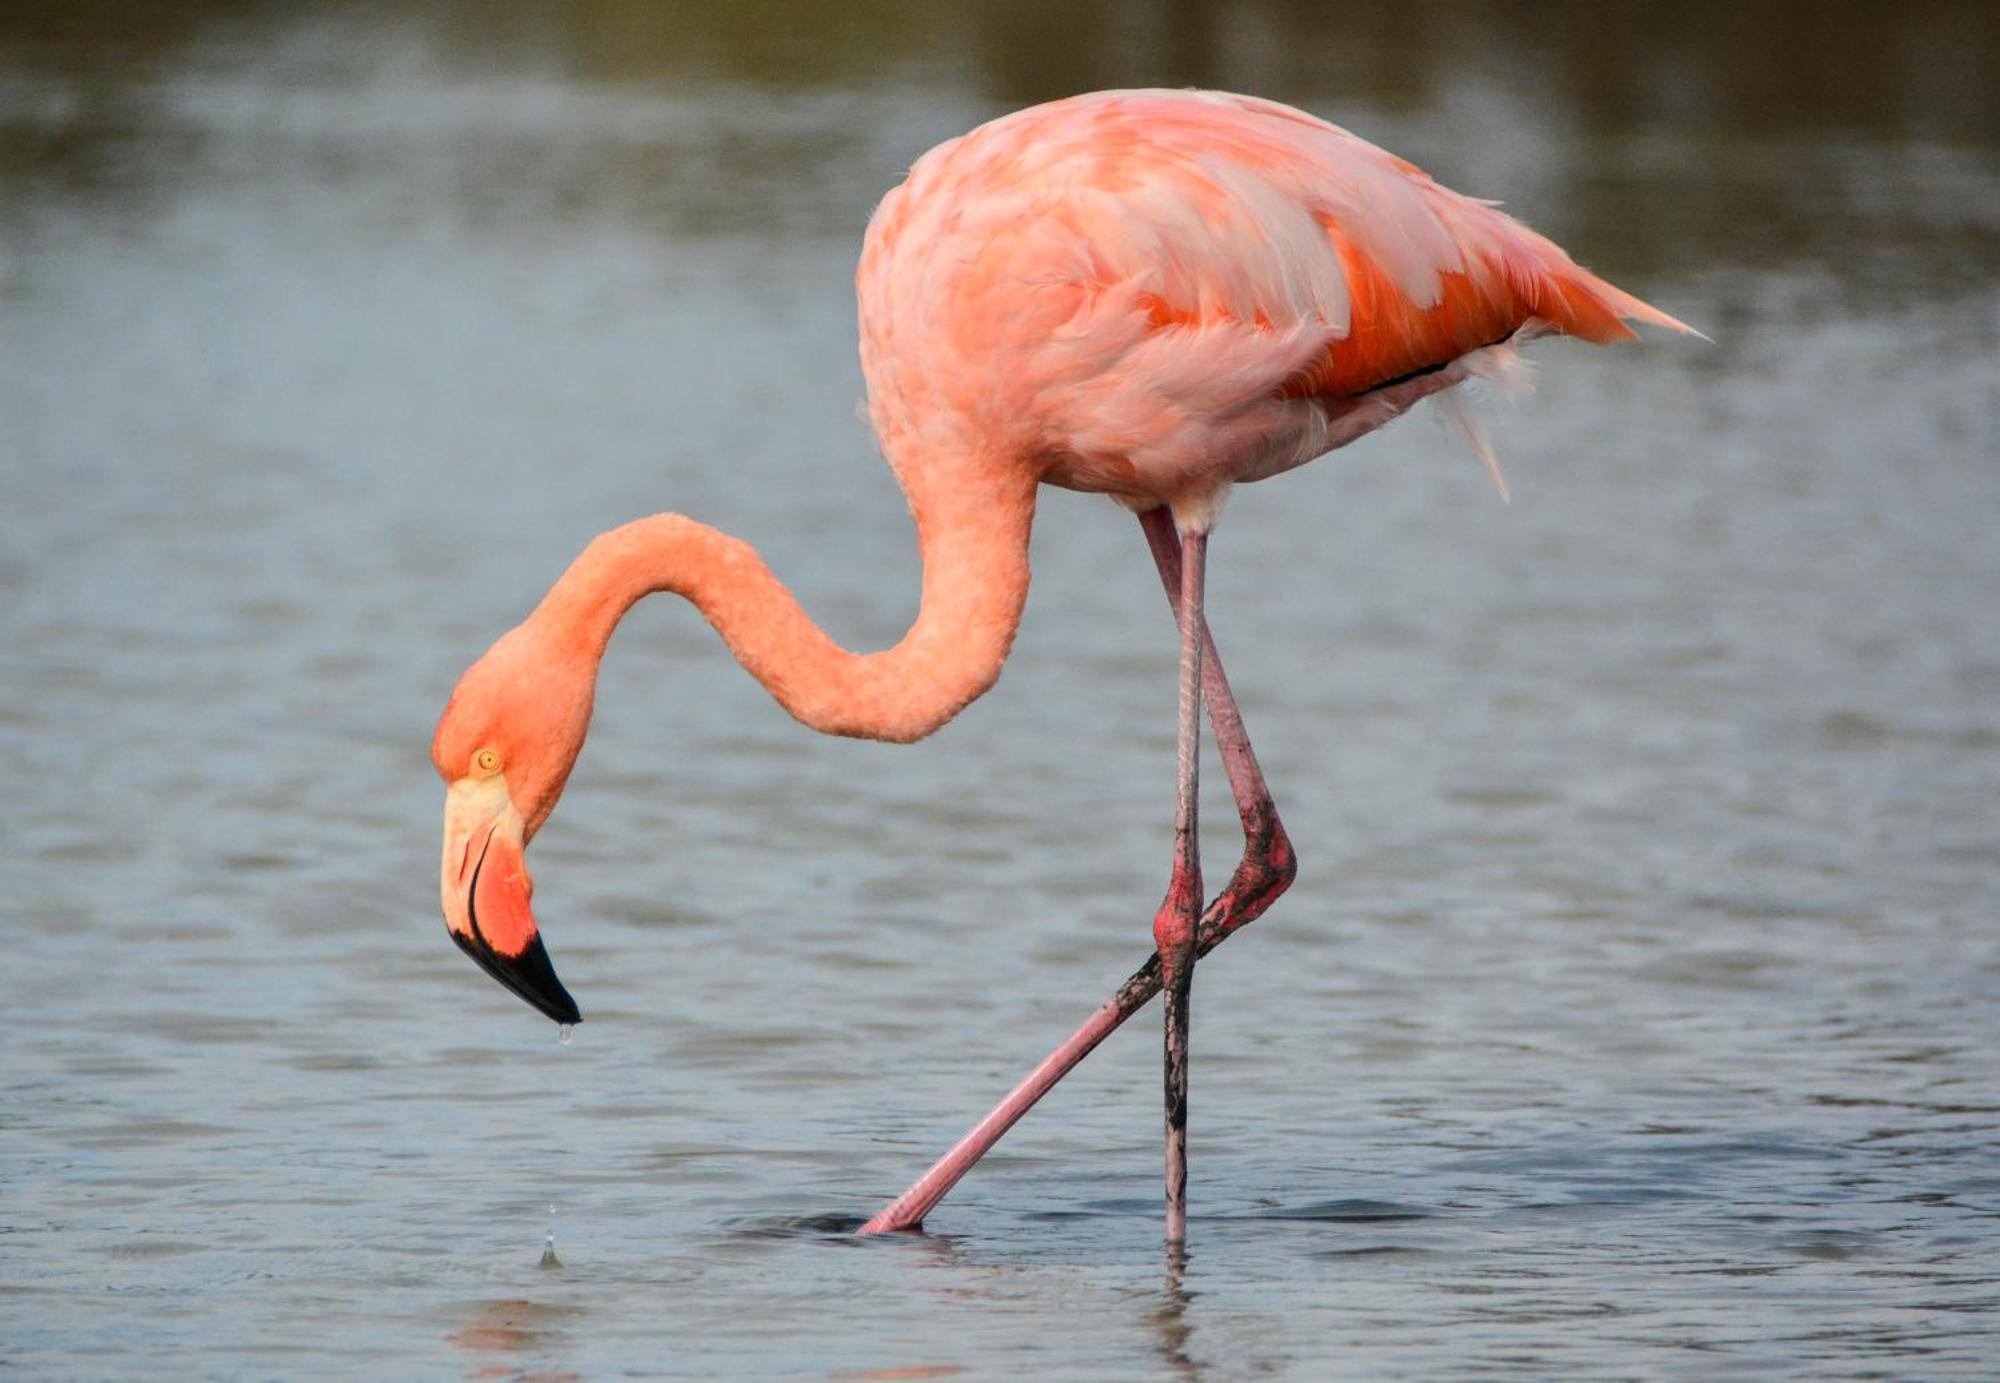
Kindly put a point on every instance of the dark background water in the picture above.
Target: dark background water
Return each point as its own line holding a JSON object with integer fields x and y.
{"x": 1635, "y": 1011}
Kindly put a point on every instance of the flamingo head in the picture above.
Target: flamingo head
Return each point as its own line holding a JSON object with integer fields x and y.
{"x": 504, "y": 747}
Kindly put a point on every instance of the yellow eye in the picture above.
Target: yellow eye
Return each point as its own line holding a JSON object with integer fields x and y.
{"x": 487, "y": 761}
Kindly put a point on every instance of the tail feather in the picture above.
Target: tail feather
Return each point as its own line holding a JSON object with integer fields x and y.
{"x": 1632, "y": 309}
{"x": 1587, "y": 306}
{"x": 1554, "y": 286}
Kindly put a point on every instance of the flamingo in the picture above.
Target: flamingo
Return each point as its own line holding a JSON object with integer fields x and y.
{"x": 1151, "y": 295}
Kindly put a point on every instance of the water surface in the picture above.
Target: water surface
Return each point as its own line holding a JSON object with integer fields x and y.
{"x": 1635, "y": 1010}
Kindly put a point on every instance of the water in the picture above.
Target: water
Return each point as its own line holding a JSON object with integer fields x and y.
{"x": 1633, "y": 1015}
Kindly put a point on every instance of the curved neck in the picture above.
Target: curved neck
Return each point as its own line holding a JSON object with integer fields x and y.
{"x": 974, "y": 545}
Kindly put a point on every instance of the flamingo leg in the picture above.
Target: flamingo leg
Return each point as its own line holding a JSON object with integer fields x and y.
{"x": 1266, "y": 871}
{"x": 1268, "y": 865}
{"x": 1174, "y": 924}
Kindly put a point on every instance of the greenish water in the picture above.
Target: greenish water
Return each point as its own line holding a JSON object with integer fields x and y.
{"x": 1634, "y": 1014}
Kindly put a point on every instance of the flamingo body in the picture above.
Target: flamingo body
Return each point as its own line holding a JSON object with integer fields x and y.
{"x": 1153, "y": 294}
{"x": 1148, "y": 294}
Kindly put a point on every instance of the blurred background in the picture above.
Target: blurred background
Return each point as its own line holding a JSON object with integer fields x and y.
{"x": 1635, "y": 1010}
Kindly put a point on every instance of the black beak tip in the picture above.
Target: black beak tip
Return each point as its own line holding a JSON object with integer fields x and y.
{"x": 530, "y": 975}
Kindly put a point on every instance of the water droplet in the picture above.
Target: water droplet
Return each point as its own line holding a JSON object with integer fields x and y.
{"x": 563, "y": 1033}
{"x": 549, "y": 1259}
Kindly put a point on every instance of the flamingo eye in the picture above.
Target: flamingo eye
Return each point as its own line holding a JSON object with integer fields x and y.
{"x": 487, "y": 761}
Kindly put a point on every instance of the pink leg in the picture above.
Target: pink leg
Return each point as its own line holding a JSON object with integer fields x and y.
{"x": 1268, "y": 865}
{"x": 1174, "y": 925}
{"x": 1266, "y": 871}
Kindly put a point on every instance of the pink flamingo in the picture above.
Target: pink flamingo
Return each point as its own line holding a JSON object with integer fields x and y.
{"x": 1151, "y": 295}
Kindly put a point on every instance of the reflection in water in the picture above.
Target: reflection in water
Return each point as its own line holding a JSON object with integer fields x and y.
{"x": 516, "y": 1327}
{"x": 1632, "y": 1013}
{"x": 1175, "y": 1330}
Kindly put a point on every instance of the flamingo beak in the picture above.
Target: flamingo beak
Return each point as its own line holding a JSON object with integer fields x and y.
{"x": 485, "y": 886}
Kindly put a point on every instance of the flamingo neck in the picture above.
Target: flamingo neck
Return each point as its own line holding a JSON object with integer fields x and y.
{"x": 975, "y": 583}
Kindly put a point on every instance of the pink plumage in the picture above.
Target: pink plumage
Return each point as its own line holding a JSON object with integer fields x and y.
{"x": 1156, "y": 293}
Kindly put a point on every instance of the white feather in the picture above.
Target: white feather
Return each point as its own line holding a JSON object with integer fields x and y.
{"x": 1504, "y": 367}
{"x": 1453, "y": 407}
